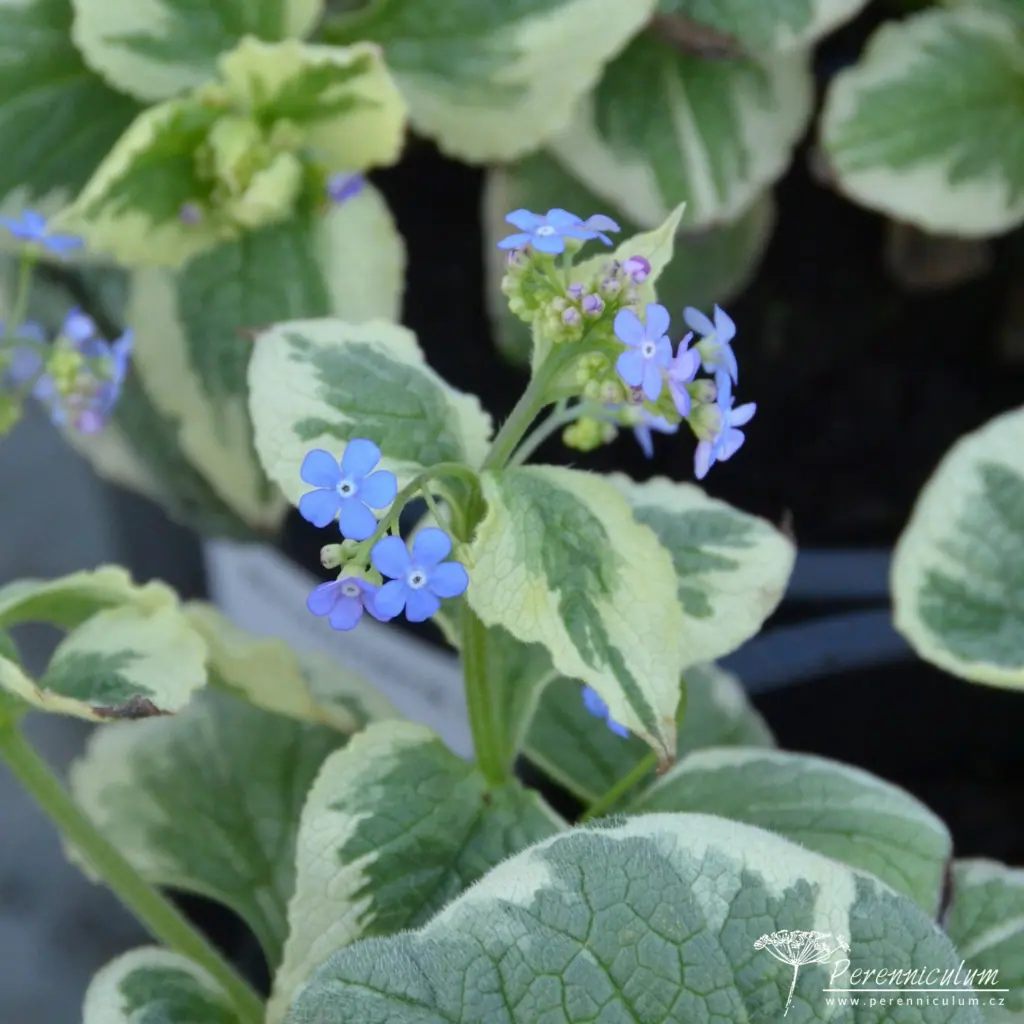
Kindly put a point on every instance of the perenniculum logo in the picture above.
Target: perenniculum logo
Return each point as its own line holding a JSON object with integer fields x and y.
{"x": 880, "y": 986}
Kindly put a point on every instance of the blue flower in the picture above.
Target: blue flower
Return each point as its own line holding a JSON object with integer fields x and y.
{"x": 24, "y": 362}
{"x": 343, "y": 601}
{"x": 346, "y": 490}
{"x": 642, "y": 431}
{"x": 344, "y": 186}
{"x": 648, "y": 350}
{"x": 593, "y": 702}
{"x": 31, "y": 227}
{"x": 714, "y": 347}
{"x": 681, "y": 372}
{"x": 548, "y": 232}
{"x": 728, "y": 439}
{"x": 418, "y": 582}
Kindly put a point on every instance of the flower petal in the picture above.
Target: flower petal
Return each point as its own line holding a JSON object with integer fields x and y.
{"x": 657, "y": 320}
{"x": 742, "y": 414}
{"x": 599, "y": 222}
{"x": 378, "y": 490}
{"x": 514, "y": 241}
{"x": 617, "y": 727}
{"x": 642, "y": 433}
{"x": 390, "y": 599}
{"x": 724, "y": 385}
{"x": 653, "y": 381}
{"x": 420, "y": 605}
{"x": 680, "y": 397}
{"x": 551, "y": 244}
{"x": 356, "y": 521}
{"x": 725, "y": 328}
{"x": 347, "y": 613}
{"x": 729, "y": 444}
{"x": 448, "y": 580}
{"x": 703, "y": 459}
{"x": 322, "y": 599}
{"x": 430, "y": 547}
{"x": 630, "y": 367}
{"x": 524, "y": 220}
{"x": 685, "y": 365}
{"x": 594, "y": 702}
{"x": 728, "y": 360}
{"x": 319, "y": 507}
{"x": 320, "y": 469}
{"x": 559, "y": 218}
{"x": 698, "y": 321}
{"x": 662, "y": 352}
{"x": 628, "y": 328}
{"x": 390, "y": 557}
{"x": 360, "y": 457}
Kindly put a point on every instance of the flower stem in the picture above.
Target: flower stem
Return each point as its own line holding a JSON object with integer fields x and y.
{"x": 483, "y": 719}
{"x": 25, "y": 265}
{"x": 160, "y": 917}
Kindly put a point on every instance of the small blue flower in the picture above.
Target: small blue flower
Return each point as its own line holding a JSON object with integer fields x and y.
{"x": 346, "y": 491}
{"x": 681, "y": 372}
{"x": 343, "y": 601}
{"x": 24, "y": 362}
{"x": 344, "y": 186}
{"x": 593, "y": 702}
{"x": 418, "y": 582}
{"x": 548, "y": 232}
{"x": 642, "y": 431}
{"x": 728, "y": 439}
{"x": 714, "y": 347}
{"x": 648, "y": 350}
{"x": 31, "y": 227}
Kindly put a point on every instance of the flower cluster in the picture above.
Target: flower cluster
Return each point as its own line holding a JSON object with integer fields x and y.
{"x": 352, "y": 491}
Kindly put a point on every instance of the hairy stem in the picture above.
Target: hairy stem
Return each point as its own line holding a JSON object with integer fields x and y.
{"x": 488, "y": 740}
{"x": 160, "y": 917}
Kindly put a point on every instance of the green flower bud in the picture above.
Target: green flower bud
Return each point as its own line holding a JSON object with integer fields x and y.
{"x": 586, "y": 434}
{"x": 331, "y": 556}
{"x": 612, "y": 392}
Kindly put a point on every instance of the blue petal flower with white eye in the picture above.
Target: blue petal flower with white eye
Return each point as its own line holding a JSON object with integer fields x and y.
{"x": 594, "y": 703}
{"x": 681, "y": 371}
{"x": 31, "y": 227}
{"x": 548, "y": 232}
{"x": 346, "y": 491}
{"x": 715, "y": 345}
{"x": 343, "y": 601}
{"x": 642, "y": 431}
{"x": 418, "y": 581}
{"x": 729, "y": 438}
{"x": 648, "y": 350}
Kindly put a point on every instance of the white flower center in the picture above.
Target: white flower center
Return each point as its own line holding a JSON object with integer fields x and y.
{"x": 347, "y": 489}
{"x": 417, "y": 579}
{"x": 350, "y": 588}
{"x": 648, "y": 349}
{"x": 546, "y": 230}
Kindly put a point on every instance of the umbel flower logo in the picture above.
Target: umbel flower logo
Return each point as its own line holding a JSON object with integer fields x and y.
{"x": 798, "y": 948}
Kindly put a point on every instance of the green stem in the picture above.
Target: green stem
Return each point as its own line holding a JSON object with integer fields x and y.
{"x": 483, "y": 718}
{"x": 154, "y": 911}
{"x": 21, "y": 296}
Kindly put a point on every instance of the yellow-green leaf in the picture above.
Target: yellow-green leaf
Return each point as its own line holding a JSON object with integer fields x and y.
{"x": 958, "y": 569}
{"x": 559, "y": 560}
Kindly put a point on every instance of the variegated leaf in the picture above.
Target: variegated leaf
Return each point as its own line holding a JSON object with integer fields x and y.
{"x": 831, "y": 808}
{"x": 958, "y": 568}
{"x": 580, "y": 753}
{"x": 208, "y": 801}
{"x": 156, "y": 48}
{"x": 490, "y": 82}
{"x": 928, "y": 127}
{"x": 396, "y": 826}
{"x": 560, "y": 561}
{"x": 664, "y": 128}
{"x": 663, "y": 918}
{"x": 319, "y": 383}
{"x": 732, "y": 568}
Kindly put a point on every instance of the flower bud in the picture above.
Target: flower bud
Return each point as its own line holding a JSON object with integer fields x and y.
{"x": 593, "y": 305}
{"x": 702, "y": 391}
{"x": 610, "y": 287}
{"x": 586, "y": 434}
{"x": 575, "y": 292}
{"x": 612, "y": 393}
{"x": 592, "y": 391}
{"x": 558, "y": 304}
{"x": 190, "y": 213}
{"x": 331, "y": 556}
{"x": 571, "y": 317}
{"x": 637, "y": 268}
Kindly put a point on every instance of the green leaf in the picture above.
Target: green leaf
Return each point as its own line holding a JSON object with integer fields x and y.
{"x": 243, "y": 153}
{"x": 319, "y": 383}
{"x": 395, "y": 827}
{"x": 928, "y": 127}
{"x": 649, "y": 921}
{"x": 831, "y": 808}
{"x": 664, "y": 128}
{"x": 958, "y": 568}
{"x": 490, "y": 82}
{"x": 760, "y": 25}
{"x": 155, "y": 48}
{"x": 559, "y": 560}
{"x": 269, "y": 674}
{"x": 580, "y": 752}
{"x": 128, "y": 662}
{"x": 732, "y": 568}
{"x": 708, "y": 267}
{"x": 986, "y": 923}
{"x": 57, "y": 118}
{"x": 208, "y": 801}
{"x": 157, "y": 986}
